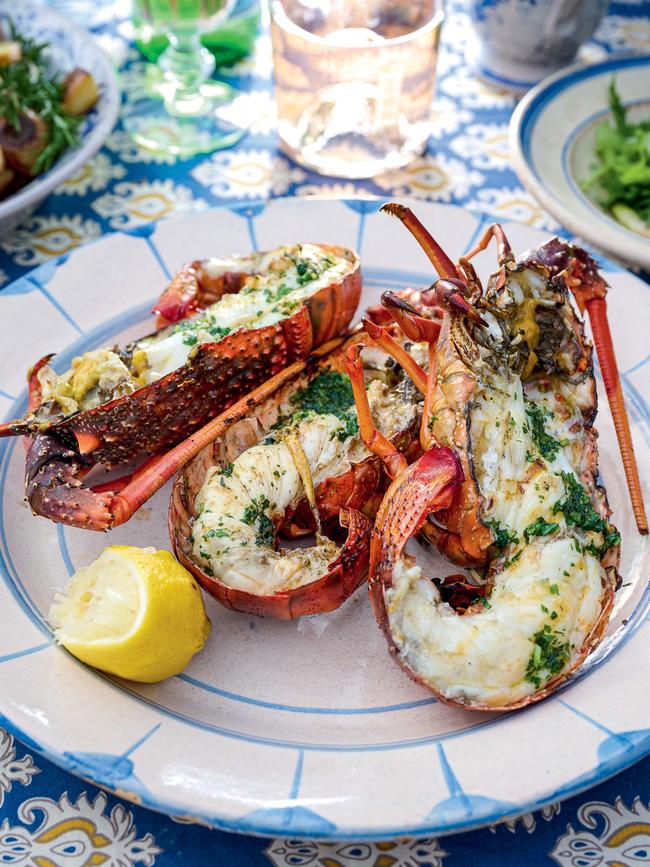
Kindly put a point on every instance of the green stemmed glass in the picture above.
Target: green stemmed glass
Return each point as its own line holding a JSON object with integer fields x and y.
{"x": 189, "y": 113}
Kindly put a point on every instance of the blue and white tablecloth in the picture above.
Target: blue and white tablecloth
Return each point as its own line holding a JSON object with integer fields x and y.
{"x": 50, "y": 819}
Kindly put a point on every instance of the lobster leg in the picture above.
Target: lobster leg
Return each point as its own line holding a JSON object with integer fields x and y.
{"x": 388, "y": 343}
{"x": 410, "y": 321}
{"x": 504, "y": 250}
{"x": 452, "y": 294}
{"x": 451, "y": 289}
{"x": 373, "y": 439}
{"x": 416, "y": 327}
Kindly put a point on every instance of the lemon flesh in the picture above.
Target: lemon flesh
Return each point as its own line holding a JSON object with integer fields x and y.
{"x": 133, "y": 612}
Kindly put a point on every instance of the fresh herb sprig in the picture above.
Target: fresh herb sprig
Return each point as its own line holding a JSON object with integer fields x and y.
{"x": 28, "y": 85}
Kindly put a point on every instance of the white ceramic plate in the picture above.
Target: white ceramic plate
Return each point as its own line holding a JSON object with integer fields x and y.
{"x": 68, "y": 47}
{"x": 305, "y": 728}
{"x": 552, "y": 138}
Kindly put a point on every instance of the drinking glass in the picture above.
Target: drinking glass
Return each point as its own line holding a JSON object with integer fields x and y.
{"x": 191, "y": 113}
{"x": 354, "y": 81}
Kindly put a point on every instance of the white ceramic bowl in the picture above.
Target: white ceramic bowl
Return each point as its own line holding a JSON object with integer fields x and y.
{"x": 552, "y": 138}
{"x": 69, "y": 46}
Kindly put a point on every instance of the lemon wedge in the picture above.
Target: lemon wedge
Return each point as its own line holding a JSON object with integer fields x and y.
{"x": 133, "y": 612}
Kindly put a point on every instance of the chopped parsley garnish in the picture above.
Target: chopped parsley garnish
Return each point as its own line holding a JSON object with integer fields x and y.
{"x": 350, "y": 427}
{"x": 548, "y": 446}
{"x": 555, "y": 590}
{"x": 577, "y": 507}
{"x": 540, "y": 527}
{"x": 217, "y": 533}
{"x": 329, "y": 393}
{"x": 206, "y": 323}
{"x": 256, "y": 514}
{"x": 508, "y": 563}
{"x": 280, "y": 292}
{"x": 227, "y": 470}
{"x": 579, "y": 511}
{"x": 550, "y": 655}
{"x": 502, "y": 536}
{"x": 309, "y": 271}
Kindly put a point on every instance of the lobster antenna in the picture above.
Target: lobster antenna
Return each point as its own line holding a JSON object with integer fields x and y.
{"x": 435, "y": 254}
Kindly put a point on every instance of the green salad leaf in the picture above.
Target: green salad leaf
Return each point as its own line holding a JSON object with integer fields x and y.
{"x": 623, "y": 172}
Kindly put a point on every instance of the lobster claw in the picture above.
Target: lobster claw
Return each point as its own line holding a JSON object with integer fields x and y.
{"x": 412, "y": 323}
{"x": 453, "y": 293}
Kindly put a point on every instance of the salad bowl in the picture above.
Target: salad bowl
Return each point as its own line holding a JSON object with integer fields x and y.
{"x": 553, "y": 144}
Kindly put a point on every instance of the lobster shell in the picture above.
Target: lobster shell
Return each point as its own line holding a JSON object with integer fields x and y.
{"x": 157, "y": 416}
{"x": 326, "y": 593}
{"x": 403, "y": 512}
{"x": 350, "y": 500}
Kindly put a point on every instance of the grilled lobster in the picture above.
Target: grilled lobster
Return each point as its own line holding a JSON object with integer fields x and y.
{"x": 509, "y": 474}
{"x": 228, "y": 329}
{"x": 296, "y": 466}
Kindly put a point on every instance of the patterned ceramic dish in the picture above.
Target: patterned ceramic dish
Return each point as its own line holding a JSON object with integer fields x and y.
{"x": 552, "y": 138}
{"x": 523, "y": 41}
{"x": 69, "y": 46}
{"x": 296, "y": 728}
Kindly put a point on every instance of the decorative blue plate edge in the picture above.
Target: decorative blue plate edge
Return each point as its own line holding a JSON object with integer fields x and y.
{"x": 561, "y": 81}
